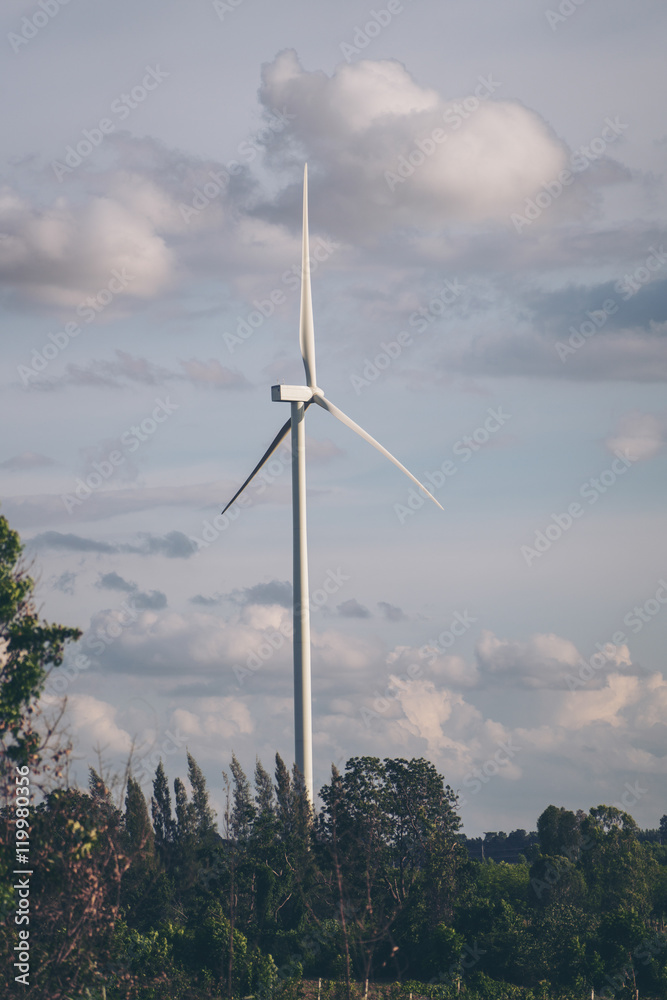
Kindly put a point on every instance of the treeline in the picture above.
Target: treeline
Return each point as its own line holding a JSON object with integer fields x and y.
{"x": 154, "y": 900}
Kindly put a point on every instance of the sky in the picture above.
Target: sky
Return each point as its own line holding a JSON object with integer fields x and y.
{"x": 489, "y": 275}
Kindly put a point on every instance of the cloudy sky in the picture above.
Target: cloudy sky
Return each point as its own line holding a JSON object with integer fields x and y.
{"x": 487, "y": 208}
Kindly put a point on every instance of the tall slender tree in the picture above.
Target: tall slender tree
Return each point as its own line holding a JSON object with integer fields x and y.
{"x": 144, "y": 894}
{"x": 284, "y": 800}
{"x": 243, "y": 810}
{"x": 264, "y": 793}
{"x": 163, "y": 821}
{"x": 203, "y": 815}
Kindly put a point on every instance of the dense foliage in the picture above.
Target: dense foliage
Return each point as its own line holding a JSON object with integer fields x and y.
{"x": 377, "y": 885}
{"x": 29, "y": 648}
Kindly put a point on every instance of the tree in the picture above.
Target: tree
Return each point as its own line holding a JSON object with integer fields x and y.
{"x": 139, "y": 834}
{"x": 78, "y": 861}
{"x": 333, "y": 796}
{"x": 243, "y": 810}
{"x": 620, "y": 871}
{"x": 389, "y": 829}
{"x": 264, "y": 794}
{"x": 559, "y": 832}
{"x": 185, "y": 818}
{"x": 29, "y": 649}
{"x": 204, "y": 817}
{"x": 144, "y": 890}
{"x": 284, "y": 806}
{"x": 163, "y": 822}
{"x": 663, "y": 829}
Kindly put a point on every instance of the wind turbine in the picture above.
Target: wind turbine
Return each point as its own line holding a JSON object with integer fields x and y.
{"x": 300, "y": 397}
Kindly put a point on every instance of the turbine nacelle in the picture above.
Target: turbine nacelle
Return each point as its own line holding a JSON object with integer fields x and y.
{"x": 293, "y": 393}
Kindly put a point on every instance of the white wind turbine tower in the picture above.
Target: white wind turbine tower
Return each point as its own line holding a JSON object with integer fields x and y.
{"x": 300, "y": 397}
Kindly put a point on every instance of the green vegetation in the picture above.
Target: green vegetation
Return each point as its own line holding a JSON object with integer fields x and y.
{"x": 150, "y": 900}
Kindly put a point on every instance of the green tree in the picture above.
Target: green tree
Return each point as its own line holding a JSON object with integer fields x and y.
{"x": 284, "y": 806}
{"x": 620, "y": 871}
{"x": 139, "y": 834}
{"x": 29, "y": 649}
{"x": 204, "y": 817}
{"x": 78, "y": 860}
{"x": 264, "y": 852}
{"x": 264, "y": 793}
{"x": 389, "y": 830}
{"x": 185, "y": 818}
{"x": 145, "y": 889}
{"x": 558, "y": 831}
{"x": 164, "y": 826}
{"x": 243, "y": 809}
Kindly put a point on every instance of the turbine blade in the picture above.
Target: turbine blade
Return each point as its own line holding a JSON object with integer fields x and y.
{"x": 306, "y": 329}
{"x": 267, "y": 454}
{"x": 344, "y": 419}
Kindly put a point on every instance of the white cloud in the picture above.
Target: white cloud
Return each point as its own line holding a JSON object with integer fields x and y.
{"x": 339, "y": 652}
{"x": 144, "y": 198}
{"x": 95, "y": 723}
{"x": 582, "y": 707}
{"x": 638, "y": 435}
{"x": 356, "y": 125}
{"x": 212, "y": 373}
{"x": 426, "y": 711}
{"x": 263, "y": 616}
{"x": 451, "y": 671}
{"x": 63, "y": 253}
{"x": 224, "y": 717}
{"x": 165, "y": 642}
{"x": 541, "y": 662}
